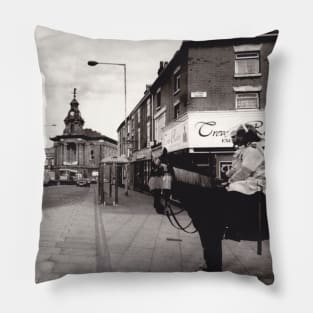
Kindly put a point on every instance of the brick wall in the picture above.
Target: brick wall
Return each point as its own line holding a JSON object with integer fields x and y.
{"x": 168, "y": 97}
{"x": 212, "y": 69}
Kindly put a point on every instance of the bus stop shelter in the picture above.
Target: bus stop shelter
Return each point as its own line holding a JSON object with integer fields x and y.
{"x": 108, "y": 178}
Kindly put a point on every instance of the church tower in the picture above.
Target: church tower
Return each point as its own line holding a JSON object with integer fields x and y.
{"x": 73, "y": 122}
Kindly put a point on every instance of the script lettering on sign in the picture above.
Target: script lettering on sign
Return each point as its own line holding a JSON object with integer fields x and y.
{"x": 258, "y": 126}
{"x": 209, "y": 129}
{"x": 206, "y": 130}
{"x": 176, "y": 138}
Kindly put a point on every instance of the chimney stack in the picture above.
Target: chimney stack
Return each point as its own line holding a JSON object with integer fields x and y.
{"x": 160, "y": 67}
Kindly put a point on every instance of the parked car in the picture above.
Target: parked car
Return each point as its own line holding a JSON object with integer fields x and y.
{"x": 83, "y": 182}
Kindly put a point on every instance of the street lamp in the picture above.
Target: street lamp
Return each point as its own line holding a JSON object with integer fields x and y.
{"x": 94, "y": 63}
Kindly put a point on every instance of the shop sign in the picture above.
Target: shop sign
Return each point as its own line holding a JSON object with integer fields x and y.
{"x": 198, "y": 94}
{"x": 176, "y": 137}
{"x": 70, "y": 163}
{"x": 209, "y": 129}
{"x": 212, "y": 129}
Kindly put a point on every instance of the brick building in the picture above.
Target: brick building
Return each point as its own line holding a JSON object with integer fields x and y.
{"x": 80, "y": 148}
{"x": 205, "y": 90}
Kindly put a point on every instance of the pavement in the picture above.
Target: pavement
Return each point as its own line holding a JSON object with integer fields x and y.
{"x": 80, "y": 236}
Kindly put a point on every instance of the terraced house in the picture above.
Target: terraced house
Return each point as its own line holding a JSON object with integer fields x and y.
{"x": 206, "y": 89}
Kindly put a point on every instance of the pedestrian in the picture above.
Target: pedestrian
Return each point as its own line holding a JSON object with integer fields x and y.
{"x": 155, "y": 184}
{"x": 167, "y": 178}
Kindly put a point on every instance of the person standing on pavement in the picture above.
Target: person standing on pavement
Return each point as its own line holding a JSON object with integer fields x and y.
{"x": 167, "y": 179}
{"x": 155, "y": 184}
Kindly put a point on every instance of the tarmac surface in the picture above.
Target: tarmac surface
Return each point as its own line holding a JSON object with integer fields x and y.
{"x": 79, "y": 236}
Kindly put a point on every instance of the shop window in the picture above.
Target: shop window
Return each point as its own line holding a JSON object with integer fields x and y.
{"x": 247, "y": 63}
{"x": 247, "y": 100}
{"x": 224, "y": 167}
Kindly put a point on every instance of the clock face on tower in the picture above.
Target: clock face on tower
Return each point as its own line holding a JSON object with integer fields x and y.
{"x": 72, "y": 113}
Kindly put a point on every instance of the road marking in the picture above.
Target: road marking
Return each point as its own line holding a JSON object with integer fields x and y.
{"x": 103, "y": 255}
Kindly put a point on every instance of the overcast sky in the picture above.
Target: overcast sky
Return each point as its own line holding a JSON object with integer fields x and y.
{"x": 100, "y": 90}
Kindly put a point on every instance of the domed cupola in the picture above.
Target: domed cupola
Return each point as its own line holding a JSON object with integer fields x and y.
{"x": 73, "y": 122}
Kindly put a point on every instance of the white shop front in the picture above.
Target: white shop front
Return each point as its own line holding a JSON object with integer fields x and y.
{"x": 202, "y": 139}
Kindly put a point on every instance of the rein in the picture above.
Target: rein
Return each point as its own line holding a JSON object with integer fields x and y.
{"x": 171, "y": 215}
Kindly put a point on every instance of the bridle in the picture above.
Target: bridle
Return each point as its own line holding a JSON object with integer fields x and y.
{"x": 171, "y": 215}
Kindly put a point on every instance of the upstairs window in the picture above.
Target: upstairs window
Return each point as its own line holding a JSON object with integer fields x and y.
{"x": 247, "y": 100}
{"x": 92, "y": 155}
{"x": 128, "y": 126}
{"x": 159, "y": 126}
{"x": 148, "y": 134}
{"x": 138, "y": 116}
{"x": 148, "y": 107}
{"x": 176, "y": 110}
{"x": 138, "y": 134}
{"x": 247, "y": 63}
{"x": 133, "y": 124}
{"x": 158, "y": 99}
{"x": 176, "y": 82}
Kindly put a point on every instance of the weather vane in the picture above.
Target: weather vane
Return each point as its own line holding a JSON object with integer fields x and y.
{"x": 74, "y": 93}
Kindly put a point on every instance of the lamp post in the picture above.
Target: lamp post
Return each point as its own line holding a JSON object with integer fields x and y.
{"x": 94, "y": 63}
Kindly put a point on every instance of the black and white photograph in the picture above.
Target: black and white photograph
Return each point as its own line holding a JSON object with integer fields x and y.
{"x": 154, "y": 155}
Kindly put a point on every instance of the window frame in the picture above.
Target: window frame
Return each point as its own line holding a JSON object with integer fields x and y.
{"x": 247, "y": 55}
{"x": 157, "y": 128}
{"x": 158, "y": 99}
{"x": 138, "y": 137}
{"x": 247, "y": 93}
{"x": 148, "y": 107}
{"x": 138, "y": 116}
{"x": 148, "y": 134}
{"x": 177, "y": 82}
{"x": 177, "y": 107}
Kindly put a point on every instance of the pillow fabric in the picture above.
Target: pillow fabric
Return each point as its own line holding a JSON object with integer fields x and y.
{"x": 154, "y": 155}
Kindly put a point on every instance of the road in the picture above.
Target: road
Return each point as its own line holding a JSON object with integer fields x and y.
{"x": 56, "y": 196}
{"x": 67, "y": 232}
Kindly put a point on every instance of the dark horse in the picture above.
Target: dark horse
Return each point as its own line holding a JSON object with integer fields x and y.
{"x": 218, "y": 214}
